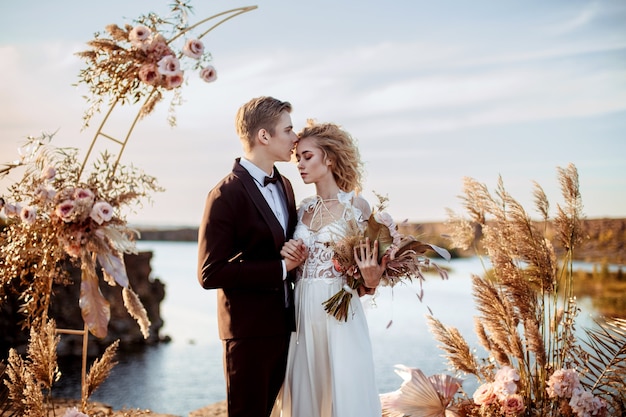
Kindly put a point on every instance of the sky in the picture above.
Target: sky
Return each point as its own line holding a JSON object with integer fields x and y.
{"x": 432, "y": 91}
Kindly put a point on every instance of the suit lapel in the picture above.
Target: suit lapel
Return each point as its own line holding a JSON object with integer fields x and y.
{"x": 290, "y": 200}
{"x": 259, "y": 201}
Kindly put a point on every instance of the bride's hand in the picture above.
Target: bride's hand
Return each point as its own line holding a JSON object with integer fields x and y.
{"x": 294, "y": 252}
{"x": 366, "y": 258}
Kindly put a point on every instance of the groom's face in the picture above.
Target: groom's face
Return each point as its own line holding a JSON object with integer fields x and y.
{"x": 284, "y": 139}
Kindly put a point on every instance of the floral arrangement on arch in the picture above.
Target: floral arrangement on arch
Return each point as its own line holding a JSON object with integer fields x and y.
{"x": 138, "y": 61}
{"x": 537, "y": 363}
{"x": 407, "y": 258}
{"x": 53, "y": 216}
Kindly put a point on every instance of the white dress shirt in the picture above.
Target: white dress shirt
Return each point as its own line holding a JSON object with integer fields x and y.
{"x": 272, "y": 194}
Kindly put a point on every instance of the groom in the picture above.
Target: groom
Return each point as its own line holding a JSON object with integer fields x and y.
{"x": 247, "y": 217}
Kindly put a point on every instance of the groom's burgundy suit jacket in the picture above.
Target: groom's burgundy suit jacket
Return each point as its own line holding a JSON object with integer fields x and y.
{"x": 239, "y": 244}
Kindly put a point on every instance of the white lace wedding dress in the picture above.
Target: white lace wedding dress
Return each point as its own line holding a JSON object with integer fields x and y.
{"x": 330, "y": 369}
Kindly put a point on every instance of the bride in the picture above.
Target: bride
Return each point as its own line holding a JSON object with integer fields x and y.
{"x": 330, "y": 369}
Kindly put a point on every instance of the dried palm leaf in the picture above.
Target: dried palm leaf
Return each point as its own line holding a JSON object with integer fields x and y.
{"x": 95, "y": 309}
{"x": 420, "y": 395}
{"x": 606, "y": 362}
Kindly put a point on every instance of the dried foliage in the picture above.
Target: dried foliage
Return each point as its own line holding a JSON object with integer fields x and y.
{"x": 42, "y": 354}
{"x": 100, "y": 370}
{"x": 536, "y": 364}
{"x": 55, "y": 218}
{"x": 136, "y": 310}
{"x": 137, "y": 62}
{"x": 28, "y": 379}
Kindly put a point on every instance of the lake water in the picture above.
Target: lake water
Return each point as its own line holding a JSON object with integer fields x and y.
{"x": 186, "y": 374}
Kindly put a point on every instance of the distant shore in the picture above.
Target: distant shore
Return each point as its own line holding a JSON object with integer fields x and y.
{"x": 606, "y": 237}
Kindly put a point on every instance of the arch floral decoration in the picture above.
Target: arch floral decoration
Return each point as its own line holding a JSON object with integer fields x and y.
{"x": 60, "y": 212}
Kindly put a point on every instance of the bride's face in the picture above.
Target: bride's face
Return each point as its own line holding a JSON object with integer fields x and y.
{"x": 312, "y": 164}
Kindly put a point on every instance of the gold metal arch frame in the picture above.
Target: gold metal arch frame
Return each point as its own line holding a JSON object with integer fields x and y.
{"x": 229, "y": 14}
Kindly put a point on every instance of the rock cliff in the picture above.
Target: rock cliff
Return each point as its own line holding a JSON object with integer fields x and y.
{"x": 65, "y": 310}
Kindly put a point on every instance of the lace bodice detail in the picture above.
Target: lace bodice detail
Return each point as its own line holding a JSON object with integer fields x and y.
{"x": 319, "y": 241}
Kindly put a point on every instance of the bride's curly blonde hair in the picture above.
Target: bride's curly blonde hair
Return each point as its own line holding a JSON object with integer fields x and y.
{"x": 340, "y": 148}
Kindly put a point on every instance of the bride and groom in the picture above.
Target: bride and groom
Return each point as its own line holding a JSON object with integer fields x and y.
{"x": 271, "y": 263}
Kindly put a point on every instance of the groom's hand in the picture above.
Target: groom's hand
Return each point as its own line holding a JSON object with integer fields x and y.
{"x": 294, "y": 252}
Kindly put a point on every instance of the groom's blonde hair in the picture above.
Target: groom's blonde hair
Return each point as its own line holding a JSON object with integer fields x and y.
{"x": 258, "y": 113}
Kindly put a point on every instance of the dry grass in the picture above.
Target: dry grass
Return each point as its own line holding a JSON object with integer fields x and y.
{"x": 526, "y": 304}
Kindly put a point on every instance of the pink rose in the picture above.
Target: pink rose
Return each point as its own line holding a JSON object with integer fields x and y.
{"x": 208, "y": 74}
{"x": 158, "y": 48}
{"x": 101, "y": 212}
{"x": 28, "y": 214}
{"x": 139, "y": 36}
{"x": 169, "y": 65}
{"x": 149, "y": 74}
{"x": 513, "y": 405}
{"x": 65, "y": 211}
{"x": 84, "y": 194}
{"x": 48, "y": 173}
{"x": 174, "y": 80}
{"x": 484, "y": 395}
{"x": 505, "y": 381}
{"x": 193, "y": 48}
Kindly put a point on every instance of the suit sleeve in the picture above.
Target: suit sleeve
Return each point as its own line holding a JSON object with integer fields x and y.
{"x": 236, "y": 249}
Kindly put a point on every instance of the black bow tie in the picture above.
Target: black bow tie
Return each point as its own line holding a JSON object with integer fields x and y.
{"x": 268, "y": 180}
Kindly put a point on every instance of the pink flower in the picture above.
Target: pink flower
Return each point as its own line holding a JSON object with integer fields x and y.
{"x": 44, "y": 193}
{"x": 149, "y": 74}
{"x": 158, "y": 48}
{"x": 337, "y": 265}
{"x": 84, "y": 194}
{"x": 169, "y": 65}
{"x": 101, "y": 212}
{"x": 506, "y": 381}
{"x": 12, "y": 209}
{"x": 484, "y": 395}
{"x": 28, "y": 214}
{"x": 208, "y": 74}
{"x": 584, "y": 404}
{"x": 174, "y": 80}
{"x": 562, "y": 383}
{"x": 48, "y": 173}
{"x": 193, "y": 48}
{"x": 139, "y": 36}
{"x": 513, "y": 405}
{"x": 65, "y": 211}
{"x": 73, "y": 243}
{"x": 73, "y": 412}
